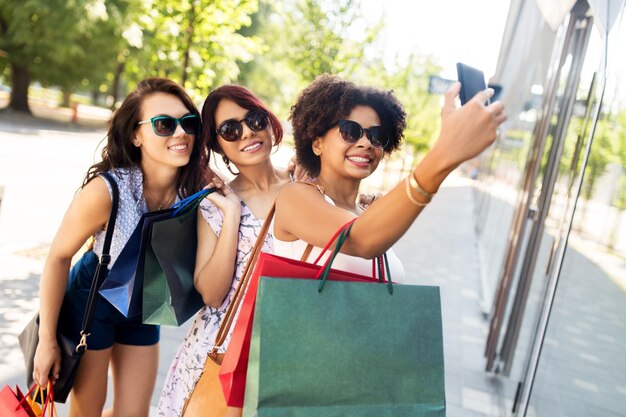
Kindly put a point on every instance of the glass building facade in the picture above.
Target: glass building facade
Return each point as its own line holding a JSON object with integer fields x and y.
{"x": 551, "y": 212}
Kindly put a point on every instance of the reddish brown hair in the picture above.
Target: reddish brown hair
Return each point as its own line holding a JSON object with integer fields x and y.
{"x": 243, "y": 98}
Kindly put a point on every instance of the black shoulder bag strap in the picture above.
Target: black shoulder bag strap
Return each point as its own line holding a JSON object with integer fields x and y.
{"x": 101, "y": 269}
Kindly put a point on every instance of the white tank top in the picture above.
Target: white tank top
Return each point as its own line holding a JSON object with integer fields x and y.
{"x": 342, "y": 262}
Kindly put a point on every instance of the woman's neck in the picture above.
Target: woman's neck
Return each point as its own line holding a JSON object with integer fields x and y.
{"x": 159, "y": 183}
{"x": 258, "y": 186}
{"x": 343, "y": 191}
{"x": 256, "y": 178}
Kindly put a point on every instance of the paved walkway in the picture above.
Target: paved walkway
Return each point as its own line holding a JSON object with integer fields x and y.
{"x": 41, "y": 167}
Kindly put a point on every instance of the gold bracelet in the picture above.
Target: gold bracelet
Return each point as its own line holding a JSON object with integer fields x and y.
{"x": 408, "y": 194}
{"x": 418, "y": 188}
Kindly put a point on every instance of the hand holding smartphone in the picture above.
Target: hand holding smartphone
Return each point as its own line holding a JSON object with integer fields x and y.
{"x": 472, "y": 81}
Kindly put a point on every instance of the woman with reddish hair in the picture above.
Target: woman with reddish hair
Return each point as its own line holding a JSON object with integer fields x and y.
{"x": 240, "y": 128}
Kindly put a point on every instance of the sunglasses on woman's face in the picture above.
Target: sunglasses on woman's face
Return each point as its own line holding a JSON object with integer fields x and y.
{"x": 232, "y": 130}
{"x": 351, "y": 132}
{"x": 166, "y": 125}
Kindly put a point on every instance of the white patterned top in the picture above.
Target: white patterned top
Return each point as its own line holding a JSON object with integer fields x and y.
{"x": 189, "y": 360}
{"x": 132, "y": 205}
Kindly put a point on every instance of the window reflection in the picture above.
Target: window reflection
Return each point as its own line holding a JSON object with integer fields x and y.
{"x": 582, "y": 367}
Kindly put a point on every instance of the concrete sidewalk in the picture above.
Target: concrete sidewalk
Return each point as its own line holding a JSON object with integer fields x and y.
{"x": 41, "y": 168}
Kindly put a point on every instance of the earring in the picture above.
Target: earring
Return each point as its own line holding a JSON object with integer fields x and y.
{"x": 227, "y": 162}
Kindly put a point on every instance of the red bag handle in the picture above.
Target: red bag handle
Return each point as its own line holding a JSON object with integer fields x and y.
{"x": 243, "y": 283}
{"x": 247, "y": 274}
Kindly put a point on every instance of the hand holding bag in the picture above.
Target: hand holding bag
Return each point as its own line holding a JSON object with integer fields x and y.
{"x": 71, "y": 351}
{"x": 235, "y": 364}
{"x": 153, "y": 276}
{"x": 168, "y": 263}
{"x": 207, "y": 398}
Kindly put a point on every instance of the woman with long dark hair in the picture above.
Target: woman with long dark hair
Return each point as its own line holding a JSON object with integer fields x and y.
{"x": 155, "y": 153}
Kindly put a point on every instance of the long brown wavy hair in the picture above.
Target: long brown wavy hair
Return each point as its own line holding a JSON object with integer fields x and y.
{"x": 119, "y": 152}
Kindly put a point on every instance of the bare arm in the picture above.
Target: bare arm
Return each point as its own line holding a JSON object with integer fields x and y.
{"x": 464, "y": 134}
{"x": 216, "y": 256}
{"x": 87, "y": 214}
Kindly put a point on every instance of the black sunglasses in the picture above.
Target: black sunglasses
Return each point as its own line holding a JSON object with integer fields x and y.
{"x": 351, "y": 132}
{"x": 232, "y": 130}
{"x": 166, "y": 125}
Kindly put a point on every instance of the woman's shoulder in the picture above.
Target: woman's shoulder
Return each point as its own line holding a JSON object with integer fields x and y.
{"x": 299, "y": 196}
{"x": 132, "y": 174}
{"x": 93, "y": 199}
{"x": 300, "y": 188}
{"x": 129, "y": 181}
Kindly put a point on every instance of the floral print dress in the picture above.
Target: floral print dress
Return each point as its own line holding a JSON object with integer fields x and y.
{"x": 188, "y": 362}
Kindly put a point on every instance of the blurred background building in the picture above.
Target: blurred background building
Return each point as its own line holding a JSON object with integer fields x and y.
{"x": 550, "y": 212}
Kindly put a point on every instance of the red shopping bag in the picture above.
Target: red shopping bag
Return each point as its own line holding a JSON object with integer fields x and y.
{"x": 13, "y": 403}
{"x": 235, "y": 364}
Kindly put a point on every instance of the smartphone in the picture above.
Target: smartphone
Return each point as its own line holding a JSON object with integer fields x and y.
{"x": 472, "y": 81}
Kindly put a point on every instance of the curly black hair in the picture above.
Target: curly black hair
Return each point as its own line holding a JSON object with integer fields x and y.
{"x": 327, "y": 100}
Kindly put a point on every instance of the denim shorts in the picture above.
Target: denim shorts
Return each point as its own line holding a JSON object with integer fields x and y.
{"x": 109, "y": 326}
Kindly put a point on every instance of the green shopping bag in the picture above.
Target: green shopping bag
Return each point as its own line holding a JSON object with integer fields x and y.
{"x": 167, "y": 264}
{"x": 352, "y": 349}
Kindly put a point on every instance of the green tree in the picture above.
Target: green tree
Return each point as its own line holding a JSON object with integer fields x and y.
{"x": 300, "y": 40}
{"x": 194, "y": 42}
{"x": 55, "y": 42}
{"x": 619, "y": 154}
{"x": 409, "y": 81}
{"x": 321, "y": 37}
{"x": 601, "y": 154}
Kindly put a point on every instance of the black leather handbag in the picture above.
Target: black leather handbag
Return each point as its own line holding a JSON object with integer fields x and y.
{"x": 72, "y": 352}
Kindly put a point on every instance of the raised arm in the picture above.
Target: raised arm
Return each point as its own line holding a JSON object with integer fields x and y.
{"x": 302, "y": 213}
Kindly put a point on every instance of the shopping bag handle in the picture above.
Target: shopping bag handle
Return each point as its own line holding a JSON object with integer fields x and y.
{"x": 191, "y": 201}
{"x": 382, "y": 261}
{"x": 243, "y": 283}
{"x": 46, "y": 398}
{"x": 333, "y": 239}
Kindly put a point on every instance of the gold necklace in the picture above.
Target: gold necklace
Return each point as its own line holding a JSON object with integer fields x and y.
{"x": 163, "y": 204}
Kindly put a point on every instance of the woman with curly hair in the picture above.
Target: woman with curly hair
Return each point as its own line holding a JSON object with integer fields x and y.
{"x": 341, "y": 132}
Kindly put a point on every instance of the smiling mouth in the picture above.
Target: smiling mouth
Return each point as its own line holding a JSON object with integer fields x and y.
{"x": 180, "y": 147}
{"x": 252, "y": 147}
{"x": 359, "y": 159}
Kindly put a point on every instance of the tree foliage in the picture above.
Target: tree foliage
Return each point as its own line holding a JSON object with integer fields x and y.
{"x": 409, "y": 81}
{"x": 194, "y": 42}
{"x": 85, "y": 44}
{"x": 274, "y": 48}
{"x": 320, "y": 37}
{"x": 68, "y": 44}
